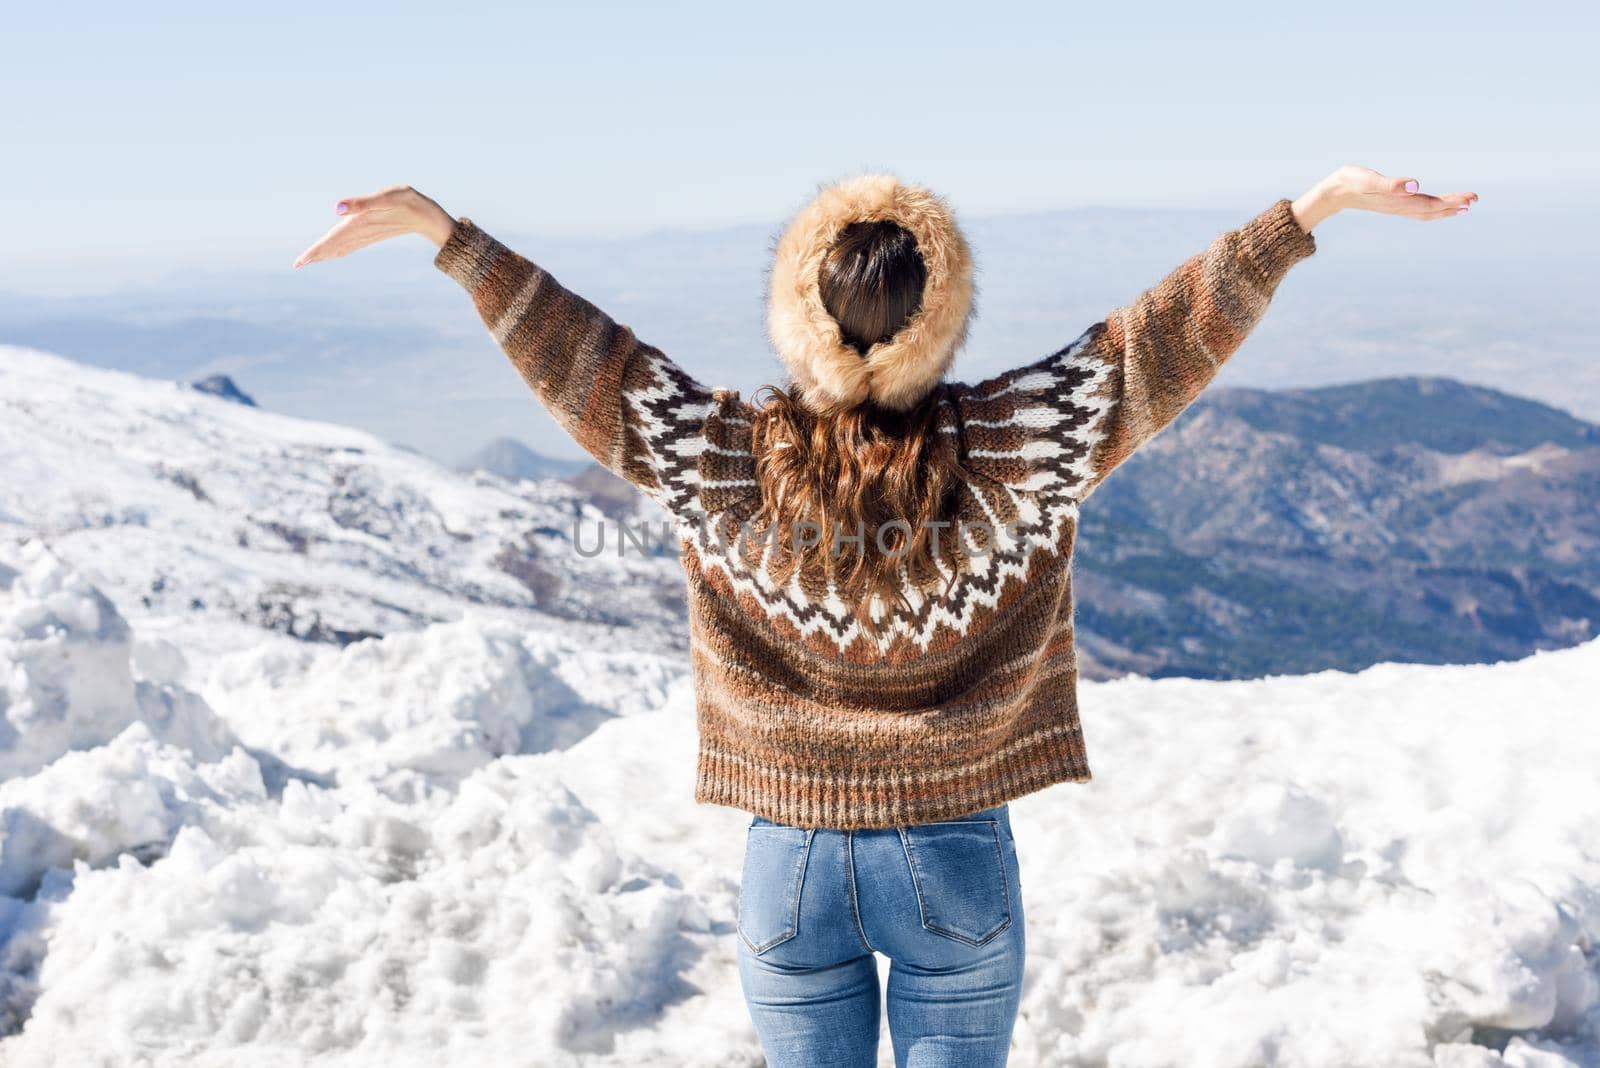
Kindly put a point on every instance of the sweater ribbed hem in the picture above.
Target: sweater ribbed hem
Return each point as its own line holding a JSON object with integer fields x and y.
{"x": 880, "y": 798}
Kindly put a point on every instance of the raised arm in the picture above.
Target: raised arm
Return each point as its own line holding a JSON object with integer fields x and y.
{"x": 624, "y": 401}
{"x": 1065, "y": 422}
{"x": 628, "y": 405}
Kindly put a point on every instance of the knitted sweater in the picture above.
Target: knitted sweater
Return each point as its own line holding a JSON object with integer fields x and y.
{"x": 968, "y": 698}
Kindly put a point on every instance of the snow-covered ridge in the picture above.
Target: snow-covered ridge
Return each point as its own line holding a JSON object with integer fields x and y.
{"x": 474, "y": 839}
{"x": 180, "y": 504}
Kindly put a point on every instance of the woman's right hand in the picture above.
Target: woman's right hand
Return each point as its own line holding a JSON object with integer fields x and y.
{"x": 390, "y": 212}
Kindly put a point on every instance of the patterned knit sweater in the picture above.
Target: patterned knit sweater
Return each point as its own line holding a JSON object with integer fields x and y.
{"x": 968, "y": 698}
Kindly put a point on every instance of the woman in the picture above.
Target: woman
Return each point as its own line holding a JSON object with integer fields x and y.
{"x": 879, "y": 571}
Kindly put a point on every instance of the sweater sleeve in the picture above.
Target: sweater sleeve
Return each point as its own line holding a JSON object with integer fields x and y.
{"x": 629, "y": 406}
{"x": 1065, "y": 422}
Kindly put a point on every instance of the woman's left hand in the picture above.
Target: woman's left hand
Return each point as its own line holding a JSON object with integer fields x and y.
{"x": 1364, "y": 189}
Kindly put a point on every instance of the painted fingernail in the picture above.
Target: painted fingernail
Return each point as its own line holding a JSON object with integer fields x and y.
{"x": 1462, "y": 210}
{"x": 342, "y": 207}
{"x": 1411, "y": 186}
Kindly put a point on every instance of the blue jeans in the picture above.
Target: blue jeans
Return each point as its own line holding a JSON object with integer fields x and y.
{"x": 943, "y": 901}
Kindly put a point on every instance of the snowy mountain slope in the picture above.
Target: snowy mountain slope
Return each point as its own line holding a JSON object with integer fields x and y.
{"x": 179, "y": 504}
{"x": 474, "y": 839}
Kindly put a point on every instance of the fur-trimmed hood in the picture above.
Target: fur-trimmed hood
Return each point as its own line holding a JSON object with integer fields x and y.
{"x": 896, "y": 373}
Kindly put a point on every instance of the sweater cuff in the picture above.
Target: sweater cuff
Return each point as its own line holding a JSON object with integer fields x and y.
{"x": 466, "y": 254}
{"x": 1275, "y": 240}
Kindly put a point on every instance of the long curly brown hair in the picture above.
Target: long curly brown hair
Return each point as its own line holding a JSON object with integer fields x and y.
{"x": 879, "y": 479}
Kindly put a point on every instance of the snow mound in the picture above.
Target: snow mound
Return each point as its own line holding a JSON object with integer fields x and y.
{"x": 441, "y": 702}
{"x": 489, "y": 925}
{"x": 69, "y": 680}
{"x": 130, "y": 795}
{"x": 1397, "y": 866}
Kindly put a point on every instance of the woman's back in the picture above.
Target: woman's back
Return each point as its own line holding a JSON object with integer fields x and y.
{"x": 963, "y": 697}
{"x": 956, "y": 698}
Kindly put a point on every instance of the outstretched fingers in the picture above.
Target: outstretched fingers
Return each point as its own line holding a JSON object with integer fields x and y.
{"x": 1409, "y": 200}
{"x": 1418, "y": 205}
{"x": 330, "y": 245}
{"x": 366, "y": 220}
{"x": 1447, "y": 206}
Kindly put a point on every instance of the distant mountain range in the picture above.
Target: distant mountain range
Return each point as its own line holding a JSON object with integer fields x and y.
{"x": 510, "y": 458}
{"x": 1414, "y": 519}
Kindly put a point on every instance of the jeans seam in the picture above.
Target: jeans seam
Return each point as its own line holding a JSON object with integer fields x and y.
{"x": 850, "y": 874}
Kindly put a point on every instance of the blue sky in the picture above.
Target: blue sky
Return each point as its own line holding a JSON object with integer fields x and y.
{"x": 161, "y": 135}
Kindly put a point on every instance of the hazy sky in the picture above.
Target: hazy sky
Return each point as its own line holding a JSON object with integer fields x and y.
{"x": 140, "y": 137}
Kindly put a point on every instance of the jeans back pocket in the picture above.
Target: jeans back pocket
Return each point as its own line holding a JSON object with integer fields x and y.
{"x": 769, "y": 888}
{"x": 959, "y": 871}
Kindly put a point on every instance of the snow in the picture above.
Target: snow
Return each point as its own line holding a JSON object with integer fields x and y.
{"x": 180, "y": 505}
{"x": 473, "y": 838}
